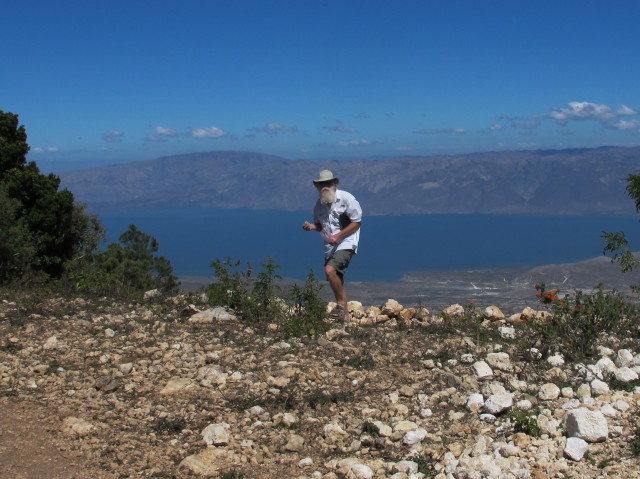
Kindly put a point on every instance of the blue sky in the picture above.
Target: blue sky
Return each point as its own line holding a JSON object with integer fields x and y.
{"x": 105, "y": 82}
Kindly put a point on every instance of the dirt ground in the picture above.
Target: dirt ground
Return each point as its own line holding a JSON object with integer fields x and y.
{"x": 32, "y": 446}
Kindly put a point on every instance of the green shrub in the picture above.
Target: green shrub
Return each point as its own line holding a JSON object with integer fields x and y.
{"x": 524, "y": 421}
{"x": 579, "y": 319}
{"x": 260, "y": 301}
{"x": 308, "y": 312}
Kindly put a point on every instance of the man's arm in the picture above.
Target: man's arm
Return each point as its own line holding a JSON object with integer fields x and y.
{"x": 348, "y": 231}
{"x": 311, "y": 227}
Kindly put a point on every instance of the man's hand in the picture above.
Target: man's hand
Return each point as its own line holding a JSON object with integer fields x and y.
{"x": 333, "y": 239}
{"x": 308, "y": 226}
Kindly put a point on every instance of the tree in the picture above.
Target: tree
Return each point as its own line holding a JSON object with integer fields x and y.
{"x": 13, "y": 143}
{"x": 616, "y": 243}
{"x": 41, "y": 216}
{"x": 132, "y": 266}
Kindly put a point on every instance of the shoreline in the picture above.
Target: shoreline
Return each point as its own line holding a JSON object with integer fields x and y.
{"x": 510, "y": 287}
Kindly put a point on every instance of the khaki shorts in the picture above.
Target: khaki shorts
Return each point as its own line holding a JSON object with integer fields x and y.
{"x": 340, "y": 260}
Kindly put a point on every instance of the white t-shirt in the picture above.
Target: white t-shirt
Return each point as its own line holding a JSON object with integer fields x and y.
{"x": 335, "y": 217}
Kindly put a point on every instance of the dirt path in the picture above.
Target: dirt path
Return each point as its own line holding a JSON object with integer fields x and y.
{"x": 32, "y": 446}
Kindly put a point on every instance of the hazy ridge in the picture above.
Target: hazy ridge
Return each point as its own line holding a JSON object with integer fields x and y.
{"x": 546, "y": 182}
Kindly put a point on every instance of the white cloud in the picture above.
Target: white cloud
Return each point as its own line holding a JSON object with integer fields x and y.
{"x": 442, "y": 131}
{"x": 522, "y": 122}
{"x": 496, "y": 127}
{"x": 631, "y": 125}
{"x": 341, "y": 128}
{"x": 163, "y": 131}
{"x": 275, "y": 128}
{"x": 113, "y": 136}
{"x": 583, "y": 110}
{"x": 360, "y": 142}
{"x": 209, "y": 132}
{"x": 51, "y": 149}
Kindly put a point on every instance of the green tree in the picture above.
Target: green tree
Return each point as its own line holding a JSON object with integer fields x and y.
{"x": 131, "y": 266}
{"x": 13, "y": 143}
{"x": 40, "y": 216}
{"x": 616, "y": 243}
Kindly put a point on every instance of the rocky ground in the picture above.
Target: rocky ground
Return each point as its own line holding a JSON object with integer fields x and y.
{"x": 168, "y": 390}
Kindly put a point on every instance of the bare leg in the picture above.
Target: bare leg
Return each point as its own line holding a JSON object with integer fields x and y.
{"x": 337, "y": 285}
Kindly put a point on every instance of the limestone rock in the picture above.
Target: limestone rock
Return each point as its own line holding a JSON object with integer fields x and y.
{"x": 493, "y": 313}
{"x": 76, "y": 427}
{"x": 498, "y": 402}
{"x": 585, "y": 424}
{"x": 216, "y": 434}
{"x": 575, "y": 448}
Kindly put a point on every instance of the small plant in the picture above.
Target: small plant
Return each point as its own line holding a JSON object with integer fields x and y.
{"x": 635, "y": 443}
{"x": 362, "y": 361}
{"x": 578, "y": 320}
{"x": 169, "y": 426}
{"x": 370, "y": 429}
{"x": 233, "y": 474}
{"x": 308, "y": 311}
{"x": 524, "y": 421}
{"x": 254, "y": 300}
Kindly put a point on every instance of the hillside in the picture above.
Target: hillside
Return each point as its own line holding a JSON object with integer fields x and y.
{"x": 583, "y": 181}
{"x": 94, "y": 388}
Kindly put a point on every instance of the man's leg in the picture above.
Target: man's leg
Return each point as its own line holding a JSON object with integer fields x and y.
{"x": 337, "y": 286}
{"x": 334, "y": 270}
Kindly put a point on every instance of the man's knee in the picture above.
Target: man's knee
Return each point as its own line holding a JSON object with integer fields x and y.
{"x": 330, "y": 271}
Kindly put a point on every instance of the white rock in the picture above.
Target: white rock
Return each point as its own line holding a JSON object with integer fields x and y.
{"x": 547, "y": 425}
{"x": 493, "y": 312}
{"x": 608, "y": 410}
{"x": 210, "y": 375}
{"x": 482, "y": 370}
{"x": 488, "y": 418}
{"x": 307, "y": 461}
{"x": 360, "y": 471}
{"x": 584, "y": 391}
{"x": 109, "y": 333}
{"x": 467, "y": 358}
{"x": 414, "y": 437}
{"x": 51, "y": 343}
{"x": 524, "y": 404}
{"x": 498, "y": 402}
{"x": 556, "y": 360}
{"x": 507, "y": 332}
{"x": 599, "y": 387}
{"x": 408, "y": 467}
{"x": 575, "y": 448}
{"x": 216, "y": 434}
{"x": 589, "y": 425}
{"x": 295, "y": 443}
{"x": 453, "y": 310}
{"x": 567, "y": 392}
{"x": 606, "y": 365}
{"x": 210, "y": 315}
{"x": 499, "y": 361}
{"x": 624, "y": 358}
{"x": 76, "y": 427}
{"x": 626, "y": 375}
{"x": 549, "y": 392}
{"x": 475, "y": 401}
{"x": 621, "y": 405}
{"x": 404, "y": 426}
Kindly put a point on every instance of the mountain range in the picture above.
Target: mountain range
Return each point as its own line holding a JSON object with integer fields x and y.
{"x": 539, "y": 182}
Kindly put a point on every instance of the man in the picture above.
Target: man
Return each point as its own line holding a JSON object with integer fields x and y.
{"x": 337, "y": 217}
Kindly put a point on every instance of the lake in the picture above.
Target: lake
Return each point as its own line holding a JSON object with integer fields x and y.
{"x": 390, "y": 246}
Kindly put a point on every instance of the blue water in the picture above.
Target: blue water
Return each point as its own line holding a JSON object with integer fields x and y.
{"x": 389, "y": 246}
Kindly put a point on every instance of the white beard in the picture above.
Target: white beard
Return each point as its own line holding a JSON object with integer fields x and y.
{"x": 328, "y": 195}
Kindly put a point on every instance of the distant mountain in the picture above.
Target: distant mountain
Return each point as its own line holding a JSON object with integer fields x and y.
{"x": 560, "y": 182}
